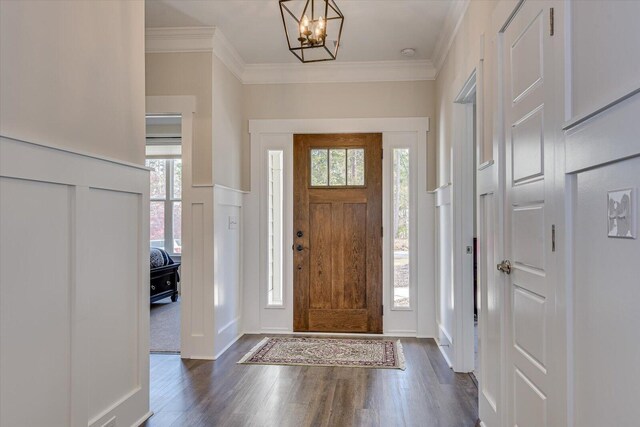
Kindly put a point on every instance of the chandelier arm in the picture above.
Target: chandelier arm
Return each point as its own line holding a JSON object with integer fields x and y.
{"x": 332, "y": 4}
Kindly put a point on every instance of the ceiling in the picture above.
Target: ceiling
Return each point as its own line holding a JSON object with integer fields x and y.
{"x": 374, "y": 30}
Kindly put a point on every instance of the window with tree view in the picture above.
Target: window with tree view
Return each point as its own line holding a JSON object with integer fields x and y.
{"x": 166, "y": 204}
{"x": 401, "y": 200}
{"x": 337, "y": 167}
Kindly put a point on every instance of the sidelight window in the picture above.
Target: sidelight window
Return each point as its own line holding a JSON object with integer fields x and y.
{"x": 337, "y": 167}
{"x": 274, "y": 226}
{"x": 401, "y": 224}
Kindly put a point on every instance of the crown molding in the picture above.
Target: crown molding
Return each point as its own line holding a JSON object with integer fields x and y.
{"x": 179, "y": 39}
{"x": 210, "y": 39}
{"x": 195, "y": 39}
{"x": 229, "y": 56}
{"x": 339, "y": 72}
{"x": 450, "y": 28}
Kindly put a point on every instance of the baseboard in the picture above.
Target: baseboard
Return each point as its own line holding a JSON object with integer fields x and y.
{"x": 196, "y": 357}
{"x": 221, "y": 352}
{"x": 444, "y": 354}
{"x": 400, "y": 333}
{"x": 143, "y": 419}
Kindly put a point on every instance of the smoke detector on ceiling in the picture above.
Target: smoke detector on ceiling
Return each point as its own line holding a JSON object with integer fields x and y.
{"x": 408, "y": 52}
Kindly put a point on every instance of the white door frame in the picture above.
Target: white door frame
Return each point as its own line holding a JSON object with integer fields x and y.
{"x": 278, "y": 135}
{"x": 185, "y": 106}
{"x": 463, "y": 205}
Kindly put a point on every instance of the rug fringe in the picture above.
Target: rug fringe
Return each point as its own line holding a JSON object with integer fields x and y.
{"x": 401, "y": 362}
{"x": 253, "y": 350}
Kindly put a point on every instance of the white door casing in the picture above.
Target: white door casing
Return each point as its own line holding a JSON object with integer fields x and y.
{"x": 465, "y": 136}
{"x": 278, "y": 135}
{"x": 196, "y": 339}
{"x": 489, "y": 217}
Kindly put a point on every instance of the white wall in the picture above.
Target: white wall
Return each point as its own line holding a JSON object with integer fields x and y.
{"x": 181, "y": 74}
{"x": 73, "y": 255}
{"x": 463, "y": 57}
{"x": 340, "y": 100}
{"x": 610, "y": 29}
{"x": 228, "y": 115}
{"x": 73, "y": 75}
{"x": 602, "y": 154}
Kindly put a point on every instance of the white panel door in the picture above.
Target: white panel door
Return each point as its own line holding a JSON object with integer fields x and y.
{"x": 528, "y": 70}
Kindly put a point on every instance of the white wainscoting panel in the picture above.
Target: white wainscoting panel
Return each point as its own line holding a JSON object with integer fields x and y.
{"x": 606, "y": 292}
{"x": 113, "y": 301}
{"x": 35, "y": 308}
{"x": 74, "y": 288}
{"x": 444, "y": 280}
{"x": 197, "y": 275}
{"x": 227, "y": 267}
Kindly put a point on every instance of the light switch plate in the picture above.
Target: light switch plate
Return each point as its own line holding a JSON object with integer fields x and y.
{"x": 233, "y": 223}
{"x": 621, "y": 210}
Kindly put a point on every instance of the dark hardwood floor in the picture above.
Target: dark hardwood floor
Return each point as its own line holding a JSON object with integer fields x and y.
{"x": 222, "y": 393}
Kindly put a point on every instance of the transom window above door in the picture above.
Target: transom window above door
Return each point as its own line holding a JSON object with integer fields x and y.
{"x": 337, "y": 167}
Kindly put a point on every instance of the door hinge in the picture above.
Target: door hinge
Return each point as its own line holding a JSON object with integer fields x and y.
{"x": 382, "y": 310}
{"x": 382, "y": 153}
{"x": 553, "y": 238}
{"x": 551, "y": 22}
{"x": 381, "y": 231}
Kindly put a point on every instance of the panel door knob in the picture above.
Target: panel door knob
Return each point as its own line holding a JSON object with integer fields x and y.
{"x": 299, "y": 233}
{"x": 505, "y": 266}
{"x": 299, "y": 248}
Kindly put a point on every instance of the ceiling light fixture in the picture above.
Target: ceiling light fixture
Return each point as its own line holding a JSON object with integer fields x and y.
{"x": 408, "y": 52}
{"x": 307, "y": 23}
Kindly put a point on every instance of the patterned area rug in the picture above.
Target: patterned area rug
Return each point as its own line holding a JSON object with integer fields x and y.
{"x": 305, "y": 351}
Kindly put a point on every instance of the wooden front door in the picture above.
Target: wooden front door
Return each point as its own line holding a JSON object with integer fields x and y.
{"x": 338, "y": 233}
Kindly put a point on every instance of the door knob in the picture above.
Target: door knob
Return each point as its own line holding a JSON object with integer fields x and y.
{"x": 505, "y": 266}
{"x": 299, "y": 248}
{"x": 299, "y": 233}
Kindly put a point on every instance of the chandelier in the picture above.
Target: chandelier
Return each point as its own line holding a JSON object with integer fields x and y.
{"x": 313, "y": 28}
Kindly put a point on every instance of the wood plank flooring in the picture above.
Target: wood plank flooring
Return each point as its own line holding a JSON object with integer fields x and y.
{"x": 204, "y": 393}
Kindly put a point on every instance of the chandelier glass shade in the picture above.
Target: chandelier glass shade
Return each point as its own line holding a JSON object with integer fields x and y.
{"x": 313, "y": 28}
